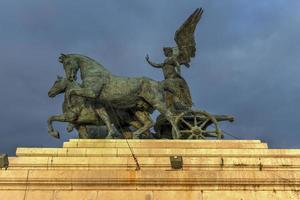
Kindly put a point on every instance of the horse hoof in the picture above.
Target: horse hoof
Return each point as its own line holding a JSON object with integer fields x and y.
{"x": 109, "y": 137}
{"x": 55, "y": 134}
{"x": 135, "y": 136}
{"x": 147, "y": 136}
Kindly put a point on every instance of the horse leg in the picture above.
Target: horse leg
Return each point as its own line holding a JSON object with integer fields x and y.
{"x": 105, "y": 118}
{"x": 154, "y": 96}
{"x": 159, "y": 105}
{"x": 144, "y": 123}
{"x": 124, "y": 130}
{"x": 51, "y": 131}
{"x": 169, "y": 116}
{"x": 70, "y": 127}
{"x": 88, "y": 93}
{"x": 82, "y": 132}
{"x": 137, "y": 125}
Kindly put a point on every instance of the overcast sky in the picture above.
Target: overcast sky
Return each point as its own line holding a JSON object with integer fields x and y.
{"x": 247, "y": 62}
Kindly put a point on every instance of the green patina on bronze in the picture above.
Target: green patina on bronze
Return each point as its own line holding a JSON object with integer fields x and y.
{"x": 80, "y": 112}
{"x": 125, "y": 104}
{"x": 177, "y": 56}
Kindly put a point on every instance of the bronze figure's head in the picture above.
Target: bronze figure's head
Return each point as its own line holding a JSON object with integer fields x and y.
{"x": 70, "y": 66}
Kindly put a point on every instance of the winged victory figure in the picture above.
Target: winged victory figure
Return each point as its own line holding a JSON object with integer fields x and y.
{"x": 177, "y": 90}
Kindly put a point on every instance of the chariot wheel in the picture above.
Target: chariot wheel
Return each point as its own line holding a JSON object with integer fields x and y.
{"x": 196, "y": 124}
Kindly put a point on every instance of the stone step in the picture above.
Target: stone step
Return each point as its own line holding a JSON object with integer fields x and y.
{"x": 155, "y": 152}
{"x": 105, "y": 169}
{"x": 190, "y": 163}
{"x": 162, "y": 140}
{"x": 74, "y": 194}
{"x": 148, "y": 180}
{"x": 199, "y": 144}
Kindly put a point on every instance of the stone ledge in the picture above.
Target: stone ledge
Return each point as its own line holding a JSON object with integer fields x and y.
{"x": 207, "y": 144}
{"x": 162, "y": 141}
{"x": 37, "y": 179}
{"x": 148, "y": 195}
{"x": 121, "y": 152}
{"x": 163, "y": 163}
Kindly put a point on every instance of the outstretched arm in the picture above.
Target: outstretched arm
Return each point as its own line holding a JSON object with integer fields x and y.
{"x": 152, "y": 63}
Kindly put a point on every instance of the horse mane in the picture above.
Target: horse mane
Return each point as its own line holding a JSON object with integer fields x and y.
{"x": 90, "y": 60}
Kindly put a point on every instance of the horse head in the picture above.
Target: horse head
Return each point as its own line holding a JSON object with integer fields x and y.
{"x": 70, "y": 66}
{"x": 58, "y": 87}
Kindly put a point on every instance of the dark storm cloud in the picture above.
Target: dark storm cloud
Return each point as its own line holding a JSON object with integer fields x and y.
{"x": 247, "y": 61}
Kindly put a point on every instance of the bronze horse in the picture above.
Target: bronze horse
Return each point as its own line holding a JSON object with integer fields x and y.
{"x": 114, "y": 91}
{"x": 80, "y": 113}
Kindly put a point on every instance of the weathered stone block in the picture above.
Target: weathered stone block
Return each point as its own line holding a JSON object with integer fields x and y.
{"x": 105, "y": 169}
{"x": 4, "y": 161}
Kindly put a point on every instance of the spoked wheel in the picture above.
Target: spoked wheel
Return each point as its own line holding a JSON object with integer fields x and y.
{"x": 197, "y": 125}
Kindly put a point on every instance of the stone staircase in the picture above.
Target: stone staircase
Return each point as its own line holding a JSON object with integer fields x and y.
{"x": 105, "y": 170}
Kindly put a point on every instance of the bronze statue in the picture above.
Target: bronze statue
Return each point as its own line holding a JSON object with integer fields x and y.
{"x": 80, "y": 113}
{"x": 113, "y": 91}
{"x": 126, "y": 103}
{"x": 177, "y": 88}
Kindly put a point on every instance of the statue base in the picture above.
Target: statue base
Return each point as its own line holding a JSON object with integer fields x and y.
{"x": 105, "y": 170}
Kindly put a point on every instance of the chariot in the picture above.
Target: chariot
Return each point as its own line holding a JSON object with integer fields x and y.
{"x": 192, "y": 124}
{"x": 112, "y": 96}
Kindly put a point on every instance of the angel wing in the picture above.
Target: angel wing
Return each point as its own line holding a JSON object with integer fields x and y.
{"x": 184, "y": 38}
